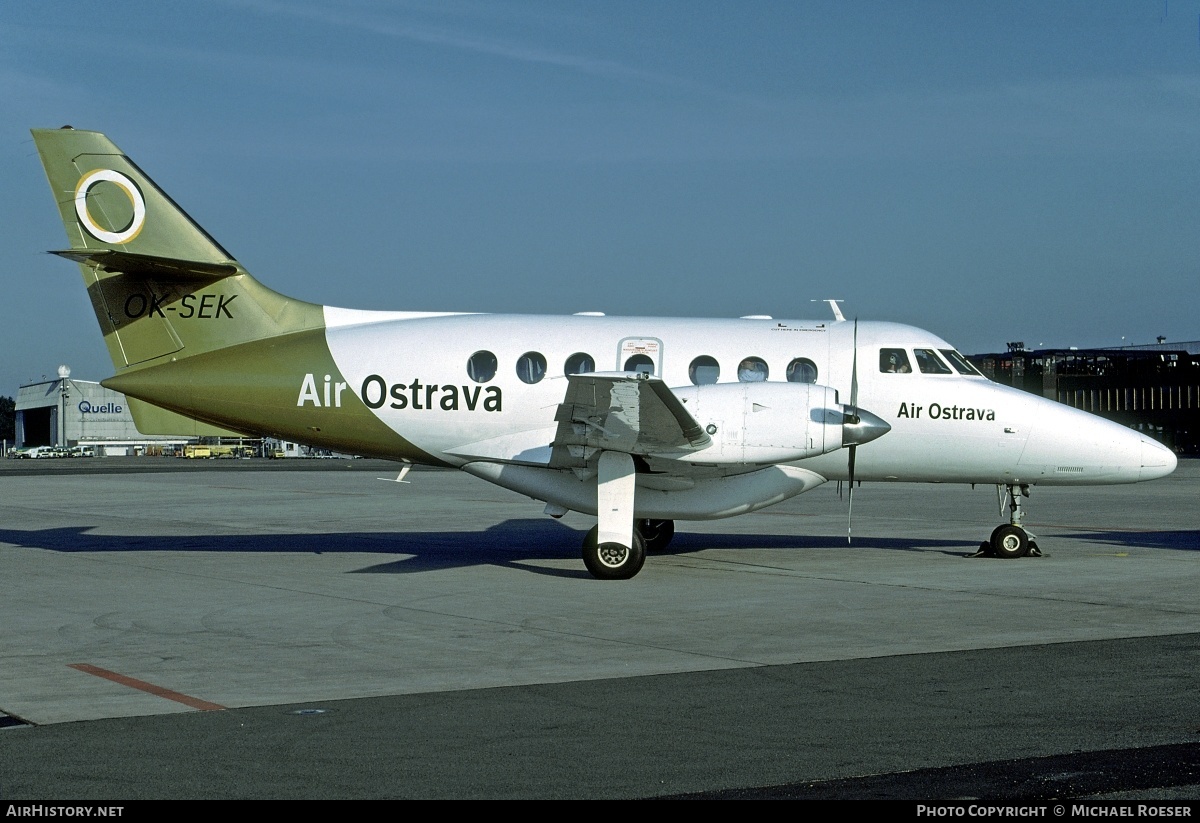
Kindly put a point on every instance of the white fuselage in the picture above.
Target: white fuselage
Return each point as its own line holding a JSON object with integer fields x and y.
{"x": 945, "y": 427}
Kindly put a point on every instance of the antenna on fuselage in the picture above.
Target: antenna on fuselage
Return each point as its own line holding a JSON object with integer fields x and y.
{"x": 833, "y": 304}
{"x": 404, "y": 470}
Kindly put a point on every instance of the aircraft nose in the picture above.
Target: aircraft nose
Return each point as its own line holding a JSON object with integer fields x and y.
{"x": 869, "y": 427}
{"x": 1157, "y": 460}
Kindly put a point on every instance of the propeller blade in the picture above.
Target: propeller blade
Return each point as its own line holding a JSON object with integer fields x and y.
{"x": 853, "y": 418}
{"x": 850, "y": 498}
{"x": 854, "y": 373}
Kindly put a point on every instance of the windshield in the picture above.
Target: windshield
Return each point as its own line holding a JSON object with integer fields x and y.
{"x": 960, "y": 363}
{"x": 930, "y": 363}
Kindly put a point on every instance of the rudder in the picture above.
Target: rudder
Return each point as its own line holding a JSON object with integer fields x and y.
{"x": 107, "y": 202}
{"x": 160, "y": 285}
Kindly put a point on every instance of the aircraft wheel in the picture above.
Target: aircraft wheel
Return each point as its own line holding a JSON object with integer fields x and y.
{"x": 657, "y": 533}
{"x": 612, "y": 561}
{"x": 1010, "y": 541}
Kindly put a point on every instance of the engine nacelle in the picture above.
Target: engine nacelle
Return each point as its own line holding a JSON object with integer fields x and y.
{"x": 752, "y": 423}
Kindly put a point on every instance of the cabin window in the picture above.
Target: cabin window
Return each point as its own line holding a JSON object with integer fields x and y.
{"x": 894, "y": 361}
{"x": 579, "y": 363}
{"x": 531, "y": 367}
{"x": 482, "y": 366}
{"x": 802, "y": 370}
{"x": 752, "y": 370}
{"x": 930, "y": 363}
{"x": 704, "y": 370}
{"x": 960, "y": 363}
{"x": 640, "y": 363}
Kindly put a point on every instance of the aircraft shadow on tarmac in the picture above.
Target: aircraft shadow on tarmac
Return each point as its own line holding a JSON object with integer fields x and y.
{"x": 1182, "y": 540}
{"x": 510, "y": 543}
{"x": 514, "y": 543}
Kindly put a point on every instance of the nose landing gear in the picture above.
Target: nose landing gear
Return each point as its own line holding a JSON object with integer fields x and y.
{"x": 1011, "y": 540}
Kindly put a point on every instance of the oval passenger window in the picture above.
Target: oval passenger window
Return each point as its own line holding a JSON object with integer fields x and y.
{"x": 752, "y": 370}
{"x": 579, "y": 363}
{"x": 531, "y": 367}
{"x": 482, "y": 366}
{"x": 802, "y": 370}
{"x": 704, "y": 370}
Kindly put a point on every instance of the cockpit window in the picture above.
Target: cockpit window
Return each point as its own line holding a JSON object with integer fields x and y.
{"x": 960, "y": 363}
{"x": 894, "y": 361}
{"x": 930, "y": 363}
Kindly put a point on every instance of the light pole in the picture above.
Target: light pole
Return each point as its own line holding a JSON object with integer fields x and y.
{"x": 63, "y": 373}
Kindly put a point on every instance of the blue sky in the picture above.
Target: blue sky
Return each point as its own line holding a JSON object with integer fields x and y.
{"x": 989, "y": 171}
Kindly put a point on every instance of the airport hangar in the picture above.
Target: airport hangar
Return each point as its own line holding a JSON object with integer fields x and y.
{"x": 82, "y": 414}
{"x": 1154, "y": 388}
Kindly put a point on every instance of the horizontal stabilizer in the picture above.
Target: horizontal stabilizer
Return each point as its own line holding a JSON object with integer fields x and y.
{"x": 145, "y": 265}
{"x": 151, "y": 419}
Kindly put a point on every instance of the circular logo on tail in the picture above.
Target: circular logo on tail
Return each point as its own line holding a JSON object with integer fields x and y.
{"x": 136, "y": 201}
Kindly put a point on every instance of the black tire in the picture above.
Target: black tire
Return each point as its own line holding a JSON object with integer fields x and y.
{"x": 1010, "y": 542}
{"x": 656, "y": 533}
{"x": 612, "y": 561}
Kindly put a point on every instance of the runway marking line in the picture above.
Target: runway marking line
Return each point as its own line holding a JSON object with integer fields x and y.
{"x": 149, "y": 688}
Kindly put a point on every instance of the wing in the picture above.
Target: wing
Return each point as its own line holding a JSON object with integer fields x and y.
{"x": 629, "y": 412}
{"x": 626, "y": 412}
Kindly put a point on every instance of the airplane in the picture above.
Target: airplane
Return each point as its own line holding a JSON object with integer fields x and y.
{"x": 639, "y": 421}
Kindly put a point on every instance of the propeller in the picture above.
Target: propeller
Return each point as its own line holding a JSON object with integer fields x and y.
{"x": 853, "y": 419}
{"x": 858, "y": 426}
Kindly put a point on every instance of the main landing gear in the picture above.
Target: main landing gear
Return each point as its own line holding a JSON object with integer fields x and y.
{"x": 656, "y": 533}
{"x": 1011, "y": 540}
{"x": 613, "y": 561}
{"x": 616, "y": 548}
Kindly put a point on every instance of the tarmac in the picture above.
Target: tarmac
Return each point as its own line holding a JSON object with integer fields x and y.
{"x": 250, "y": 629}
